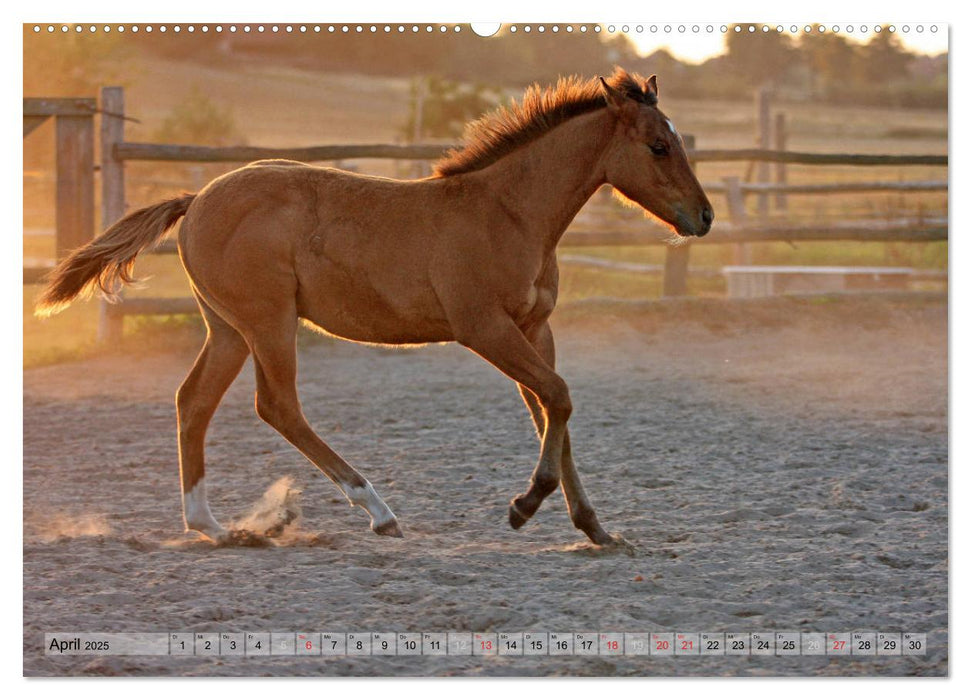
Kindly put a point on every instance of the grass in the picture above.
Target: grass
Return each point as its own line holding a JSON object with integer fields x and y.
{"x": 72, "y": 334}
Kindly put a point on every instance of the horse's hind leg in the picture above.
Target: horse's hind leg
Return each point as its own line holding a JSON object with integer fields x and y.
{"x": 215, "y": 369}
{"x": 581, "y": 510}
{"x": 277, "y": 403}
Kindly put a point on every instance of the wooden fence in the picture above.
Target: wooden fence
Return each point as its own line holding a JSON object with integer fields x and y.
{"x": 739, "y": 229}
{"x": 74, "y": 134}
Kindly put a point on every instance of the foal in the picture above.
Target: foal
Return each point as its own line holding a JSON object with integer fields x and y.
{"x": 467, "y": 255}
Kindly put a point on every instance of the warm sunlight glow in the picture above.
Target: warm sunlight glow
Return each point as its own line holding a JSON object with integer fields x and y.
{"x": 698, "y": 46}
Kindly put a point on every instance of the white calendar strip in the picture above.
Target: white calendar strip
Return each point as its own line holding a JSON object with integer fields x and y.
{"x": 334, "y": 644}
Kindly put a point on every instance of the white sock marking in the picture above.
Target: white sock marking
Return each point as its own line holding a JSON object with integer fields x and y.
{"x": 195, "y": 509}
{"x": 368, "y": 499}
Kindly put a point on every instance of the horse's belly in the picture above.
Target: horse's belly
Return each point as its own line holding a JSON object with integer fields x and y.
{"x": 362, "y": 314}
{"x": 380, "y": 334}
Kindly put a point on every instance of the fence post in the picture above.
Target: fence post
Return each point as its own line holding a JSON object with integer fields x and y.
{"x": 763, "y": 103}
{"x": 676, "y": 258}
{"x": 419, "y": 168}
{"x": 110, "y": 321}
{"x": 781, "y": 139}
{"x": 74, "y": 217}
{"x": 741, "y": 252}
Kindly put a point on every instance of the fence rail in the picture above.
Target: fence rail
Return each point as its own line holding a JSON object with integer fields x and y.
{"x": 834, "y": 188}
{"x": 241, "y": 154}
{"x": 912, "y": 232}
{"x": 246, "y": 154}
{"x": 768, "y": 156}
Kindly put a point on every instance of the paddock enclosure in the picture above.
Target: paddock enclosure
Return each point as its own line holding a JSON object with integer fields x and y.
{"x": 760, "y": 415}
{"x": 773, "y": 464}
{"x": 738, "y": 223}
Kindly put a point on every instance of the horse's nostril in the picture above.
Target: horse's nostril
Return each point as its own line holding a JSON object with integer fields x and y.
{"x": 707, "y": 215}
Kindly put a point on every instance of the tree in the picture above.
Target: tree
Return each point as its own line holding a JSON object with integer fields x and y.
{"x": 70, "y": 64}
{"x": 446, "y": 106}
{"x": 759, "y": 56}
{"x": 199, "y": 120}
{"x": 884, "y": 58}
{"x": 831, "y": 59}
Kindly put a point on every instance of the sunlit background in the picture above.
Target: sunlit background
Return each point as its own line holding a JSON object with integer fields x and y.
{"x": 696, "y": 47}
{"x": 803, "y": 433}
{"x": 877, "y": 92}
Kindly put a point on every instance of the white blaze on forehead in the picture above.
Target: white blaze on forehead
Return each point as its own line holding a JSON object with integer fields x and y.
{"x": 671, "y": 127}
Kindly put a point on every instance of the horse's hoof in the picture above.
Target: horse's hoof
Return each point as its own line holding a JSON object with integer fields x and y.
{"x": 388, "y": 529}
{"x": 596, "y": 533}
{"x": 216, "y": 536}
{"x": 516, "y": 519}
{"x": 601, "y": 538}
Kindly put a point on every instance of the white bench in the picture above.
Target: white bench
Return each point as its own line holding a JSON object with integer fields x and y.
{"x": 747, "y": 281}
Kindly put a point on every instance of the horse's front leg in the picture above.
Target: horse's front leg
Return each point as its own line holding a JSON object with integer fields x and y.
{"x": 577, "y": 502}
{"x": 502, "y": 343}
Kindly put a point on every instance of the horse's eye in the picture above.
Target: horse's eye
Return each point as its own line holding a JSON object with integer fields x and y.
{"x": 659, "y": 148}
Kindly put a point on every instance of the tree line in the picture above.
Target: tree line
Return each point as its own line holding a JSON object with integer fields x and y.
{"x": 819, "y": 65}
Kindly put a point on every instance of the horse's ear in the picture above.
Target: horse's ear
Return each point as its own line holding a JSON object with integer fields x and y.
{"x": 615, "y": 98}
{"x": 650, "y": 87}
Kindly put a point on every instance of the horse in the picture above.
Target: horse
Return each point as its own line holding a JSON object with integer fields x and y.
{"x": 466, "y": 255}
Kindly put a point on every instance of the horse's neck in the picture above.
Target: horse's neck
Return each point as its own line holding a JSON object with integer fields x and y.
{"x": 545, "y": 183}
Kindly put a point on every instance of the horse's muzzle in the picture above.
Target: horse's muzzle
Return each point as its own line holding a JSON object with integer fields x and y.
{"x": 707, "y": 217}
{"x": 696, "y": 226}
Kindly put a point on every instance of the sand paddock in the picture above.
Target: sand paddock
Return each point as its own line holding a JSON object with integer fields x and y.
{"x": 775, "y": 465}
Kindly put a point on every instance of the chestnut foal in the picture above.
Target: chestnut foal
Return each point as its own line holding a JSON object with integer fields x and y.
{"x": 467, "y": 255}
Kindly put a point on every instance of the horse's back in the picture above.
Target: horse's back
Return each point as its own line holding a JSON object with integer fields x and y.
{"x": 352, "y": 250}
{"x": 284, "y": 162}
{"x": 307, "y": 206}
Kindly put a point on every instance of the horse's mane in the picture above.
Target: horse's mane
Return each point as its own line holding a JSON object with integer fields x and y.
{"x": 504, "y": 130}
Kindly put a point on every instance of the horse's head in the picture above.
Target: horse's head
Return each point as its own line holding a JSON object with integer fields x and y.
{"x": 646, "y": 161}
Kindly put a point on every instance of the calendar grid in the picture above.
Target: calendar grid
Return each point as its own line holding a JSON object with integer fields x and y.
{"x": 859, "y": 644}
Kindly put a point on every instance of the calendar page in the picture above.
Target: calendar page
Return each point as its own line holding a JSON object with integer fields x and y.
{"x": 517, "y": 349}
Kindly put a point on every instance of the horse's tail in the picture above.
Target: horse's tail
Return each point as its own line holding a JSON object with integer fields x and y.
{"x": 108, "y": 260}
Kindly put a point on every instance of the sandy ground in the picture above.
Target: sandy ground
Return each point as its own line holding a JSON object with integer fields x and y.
{"x": 775, "y": 466}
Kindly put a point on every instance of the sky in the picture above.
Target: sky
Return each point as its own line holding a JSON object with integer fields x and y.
{"x": 695, "y": 42}
{"x": 695, "y": 47}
